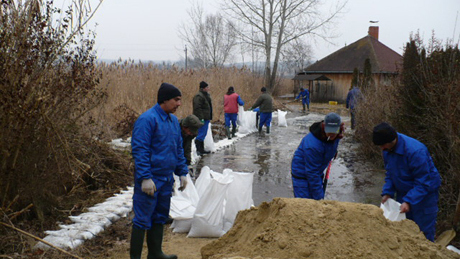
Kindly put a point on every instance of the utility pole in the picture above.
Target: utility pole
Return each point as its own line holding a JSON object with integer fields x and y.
{"x": 185, "y": 56}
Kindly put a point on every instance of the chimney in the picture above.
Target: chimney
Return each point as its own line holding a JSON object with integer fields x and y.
{"x": 374, "y": 32}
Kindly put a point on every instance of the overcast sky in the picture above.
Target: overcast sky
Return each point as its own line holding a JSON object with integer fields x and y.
{"x": 148, "y": 29}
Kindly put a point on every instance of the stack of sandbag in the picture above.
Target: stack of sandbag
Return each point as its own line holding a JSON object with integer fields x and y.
{"x": 209, "y": 208}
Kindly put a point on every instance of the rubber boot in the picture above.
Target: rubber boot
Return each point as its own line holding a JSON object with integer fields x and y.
{"x": 233, "y": 132}
{"x": 260, "y": 129}
{"x": 268, "y": 130}
{"x": 136, "y": 243}
{"x": 200, "y": 147}
{"x": 154, "y": 243}
{"x": 227, "y": 129}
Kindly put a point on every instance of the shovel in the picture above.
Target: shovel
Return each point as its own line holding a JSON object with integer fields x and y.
{"x": 326, "y": 177}
{"x": 447, "y": 236}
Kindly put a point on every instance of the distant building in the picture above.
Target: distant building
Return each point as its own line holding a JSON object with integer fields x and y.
{"x": 329, "y": 79}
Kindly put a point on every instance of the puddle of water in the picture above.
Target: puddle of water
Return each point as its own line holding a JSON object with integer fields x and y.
{"x": 270, "y": 155}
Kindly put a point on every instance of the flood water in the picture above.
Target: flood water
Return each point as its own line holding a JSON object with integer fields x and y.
{"x": 269, "y": 157}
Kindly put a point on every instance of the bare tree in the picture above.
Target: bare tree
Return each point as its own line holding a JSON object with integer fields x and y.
{"x": 297, "y": 55}
{"x": 275, "y": 23}
{"x": 211, "y": 38}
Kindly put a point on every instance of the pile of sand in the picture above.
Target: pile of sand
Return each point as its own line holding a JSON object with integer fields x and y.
{"x": 304, "y": 228}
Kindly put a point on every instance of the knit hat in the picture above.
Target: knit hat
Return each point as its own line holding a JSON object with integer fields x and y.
{"x": 167, "y": 91}
{"x": 383, "y": 133}
{"x": 332, "y": 123}
{"x": 263, "y": 89}
{"x": 192, "y": 123}
{"x": 203, "y": 84}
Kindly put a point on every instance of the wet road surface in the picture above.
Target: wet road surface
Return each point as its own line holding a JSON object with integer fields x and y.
{"x": 269, "y": 157}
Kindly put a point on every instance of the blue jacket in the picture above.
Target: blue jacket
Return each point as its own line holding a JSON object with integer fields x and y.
{"x": 353, "y": 97}
{"x": 411, "y": 173}
{"x": 157, "y": 146}
{"x": 311, "y": 159}
{"x": 305, "y": 96}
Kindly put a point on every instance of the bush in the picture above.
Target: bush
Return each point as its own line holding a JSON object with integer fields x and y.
{"x": 48, "y": 85}
{"x": 423, "y": 104}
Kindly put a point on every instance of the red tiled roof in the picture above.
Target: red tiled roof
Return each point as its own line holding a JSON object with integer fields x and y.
{"x": 382, "y": 58}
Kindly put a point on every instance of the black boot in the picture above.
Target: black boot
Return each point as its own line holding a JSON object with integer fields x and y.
{"x": 268, "y": 130}
{"x": 154, "y": 242}
{"x": 200, "y": 147}
{"x": 227, "y": 130}
{"x": 233, "y": 132}
{"x": 137, "y": 241}
{"x": 260, "y": 129}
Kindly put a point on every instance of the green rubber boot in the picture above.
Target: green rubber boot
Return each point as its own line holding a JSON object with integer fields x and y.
{"x": 227, "y": 130}
{"x": 154, "y": 242}
{"x": 233, "y": 132}
{"x": 137, "y": 242}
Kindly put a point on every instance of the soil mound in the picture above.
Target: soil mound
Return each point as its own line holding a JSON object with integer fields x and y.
{"x": 304, "y": 228}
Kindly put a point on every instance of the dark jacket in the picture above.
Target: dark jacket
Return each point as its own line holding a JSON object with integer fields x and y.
{"x": 202, "y": 106}
{"x": 187, "y": 144}
{"x": 265, "y": 102}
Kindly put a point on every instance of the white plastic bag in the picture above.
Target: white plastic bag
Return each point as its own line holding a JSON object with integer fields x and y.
{"x": 391, "y": 210}
{"x": 183, "y": 205}
{"x": 208, "y": 219}
{"x": 238, "y": 197}
{"x": 246, "y": 121}
{"x": 209, "y": 141}
{"x": 282, "y": 122}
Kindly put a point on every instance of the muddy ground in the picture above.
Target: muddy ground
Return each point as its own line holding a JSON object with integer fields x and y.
{"x": 114, "y": 241}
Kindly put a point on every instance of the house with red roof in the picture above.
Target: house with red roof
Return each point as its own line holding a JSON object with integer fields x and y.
{"x": 329, "y": 79}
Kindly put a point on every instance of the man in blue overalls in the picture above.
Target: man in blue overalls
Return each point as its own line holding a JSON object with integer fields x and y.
{"x": 411, "y": 175}
{"x": 305, "y": 94}
{"x": 158, "y": 153}
{"x": 313, "y": 155}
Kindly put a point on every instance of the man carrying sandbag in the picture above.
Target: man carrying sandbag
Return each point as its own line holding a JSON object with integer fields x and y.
{"x": 411, "y": 175}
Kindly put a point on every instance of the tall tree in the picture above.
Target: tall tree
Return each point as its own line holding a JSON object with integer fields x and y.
{"x": 211, "y": 38}
{"x": 272, "y": 24}
{"x": 368, "y": 81}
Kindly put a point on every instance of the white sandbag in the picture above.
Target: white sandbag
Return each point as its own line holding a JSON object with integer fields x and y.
{"x": 209, "y": 141}
{"x": 453, "y": 248}
{"x": 238, "y": 197}
{"x": 391, "y": 210}
{"x": 183, "y": 205}
{"x": 282, "y": 122}
{"x": 208, "y": 219}
{"x": 203, "y": 180}
{"x": 181, "y": 225}
{"x": 246, "y": 121}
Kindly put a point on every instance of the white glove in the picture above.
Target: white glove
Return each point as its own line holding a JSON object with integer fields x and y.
{"x": 148, "y": 186}
{"x": 183, "y": 183}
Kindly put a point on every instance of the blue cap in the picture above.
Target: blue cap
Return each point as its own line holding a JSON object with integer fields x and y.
{"x": 332, "y": 123}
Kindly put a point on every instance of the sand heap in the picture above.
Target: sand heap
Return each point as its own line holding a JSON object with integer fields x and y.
{"x": 303, "y": 228}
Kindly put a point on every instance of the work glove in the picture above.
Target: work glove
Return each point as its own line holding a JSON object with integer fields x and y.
{"x": 148, "y": 186}
{"x": 202, "y": 120}
{"x": 183, "y": 183}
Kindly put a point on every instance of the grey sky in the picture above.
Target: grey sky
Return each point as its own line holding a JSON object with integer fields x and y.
{"x": 148, "y": 29}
